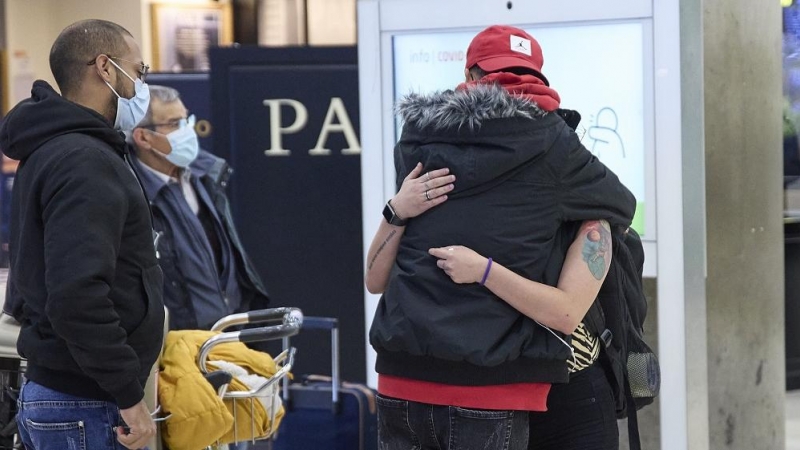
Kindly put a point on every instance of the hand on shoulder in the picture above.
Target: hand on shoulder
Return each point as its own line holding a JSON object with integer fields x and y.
{"x": 421, "y": 192}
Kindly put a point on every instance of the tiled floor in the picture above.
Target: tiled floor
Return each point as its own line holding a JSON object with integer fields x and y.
{"x": 793, "y": 420}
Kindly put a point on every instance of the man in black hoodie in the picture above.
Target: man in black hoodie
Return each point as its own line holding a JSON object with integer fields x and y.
{"x": 84, "y": 280}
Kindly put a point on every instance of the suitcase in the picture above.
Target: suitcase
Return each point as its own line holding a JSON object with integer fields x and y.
{"x": 322, "y": 413}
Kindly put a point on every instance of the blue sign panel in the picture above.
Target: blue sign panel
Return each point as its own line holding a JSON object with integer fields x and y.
{"x": 287, "y": 121}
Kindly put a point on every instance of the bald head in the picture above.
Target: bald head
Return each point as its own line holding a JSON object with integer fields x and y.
{"x": 80, "y": 43}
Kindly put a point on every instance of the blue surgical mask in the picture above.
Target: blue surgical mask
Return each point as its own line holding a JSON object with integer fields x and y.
{"x": 131, "y": 111}
{"x": 184, "y": 144}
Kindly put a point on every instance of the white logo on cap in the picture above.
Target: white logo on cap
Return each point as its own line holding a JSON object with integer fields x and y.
{"x": 520, "y": 45}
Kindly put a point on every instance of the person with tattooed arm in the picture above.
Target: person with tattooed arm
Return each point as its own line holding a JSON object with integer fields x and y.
{"x": 488, "y": 258}
{"x": 580, "y": 412}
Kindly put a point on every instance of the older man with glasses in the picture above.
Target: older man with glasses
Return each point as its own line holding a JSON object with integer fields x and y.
{"x": 206, "y": 269}
{"x": 207, "y": 272}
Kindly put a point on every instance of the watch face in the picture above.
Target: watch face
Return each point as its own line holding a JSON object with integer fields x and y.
{"x": 388, "y": 213}
{"x": 391, "y": 217}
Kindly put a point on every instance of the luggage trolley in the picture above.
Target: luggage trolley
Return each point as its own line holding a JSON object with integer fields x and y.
{"x": 12, "y": 370}
{"x": 289, "y": 322}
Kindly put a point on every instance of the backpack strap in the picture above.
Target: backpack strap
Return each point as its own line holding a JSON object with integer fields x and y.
{"x": 595, "y": 318}
{"x": 634, "y": 440}
{"x": 595, "y": 321}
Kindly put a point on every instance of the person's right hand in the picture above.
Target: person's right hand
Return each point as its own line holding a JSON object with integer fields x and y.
{"x": 463, "y": 265}
{"x": 140, "y": 425}
{"x": 421, "y": 192}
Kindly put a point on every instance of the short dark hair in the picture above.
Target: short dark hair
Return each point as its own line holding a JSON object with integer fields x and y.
{"x": 479, "y": 73}
{"x": 80, "y": 43}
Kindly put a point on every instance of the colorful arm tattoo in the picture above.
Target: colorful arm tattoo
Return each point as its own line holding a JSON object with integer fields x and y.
{"x": 597, "y": 247}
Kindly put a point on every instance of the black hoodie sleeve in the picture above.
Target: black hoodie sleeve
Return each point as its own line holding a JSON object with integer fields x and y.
{"x": 590, "y": 190}
{"x": 84, "y": 209}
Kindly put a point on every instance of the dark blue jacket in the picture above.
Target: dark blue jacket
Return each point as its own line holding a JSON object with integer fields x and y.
{"x": 194, "y": 292}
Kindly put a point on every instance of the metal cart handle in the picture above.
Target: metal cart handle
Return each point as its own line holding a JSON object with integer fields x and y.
{"x": 291, "y": 318}
{"x": 288, "y": 315}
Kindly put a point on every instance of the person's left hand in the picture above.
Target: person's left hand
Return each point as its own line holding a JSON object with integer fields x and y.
{"x": 140, "y": 426}
{"x": 461, "y": 264}
{"x": 421, "y": 192}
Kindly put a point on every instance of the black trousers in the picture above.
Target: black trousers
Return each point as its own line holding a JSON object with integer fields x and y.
{"x": 581, "y": 415}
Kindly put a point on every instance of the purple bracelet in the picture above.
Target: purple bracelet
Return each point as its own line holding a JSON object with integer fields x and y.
{"x": 486, "y": 274}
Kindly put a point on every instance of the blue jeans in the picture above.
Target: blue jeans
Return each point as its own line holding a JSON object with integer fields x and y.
{"x": 51, "y": 420}
{"x": 406, "y": 425}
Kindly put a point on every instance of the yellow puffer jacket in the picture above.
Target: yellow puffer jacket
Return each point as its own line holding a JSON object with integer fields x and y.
{"x": 199, "y": 417}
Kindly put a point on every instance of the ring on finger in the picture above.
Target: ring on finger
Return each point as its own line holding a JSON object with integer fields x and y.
{"x": 427, "y": 197}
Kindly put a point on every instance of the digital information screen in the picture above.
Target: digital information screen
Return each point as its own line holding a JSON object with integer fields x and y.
{"x": 597, "y": 69}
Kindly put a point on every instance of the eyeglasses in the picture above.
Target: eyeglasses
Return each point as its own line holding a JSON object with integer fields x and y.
{"x": 143, "y": 69}
{"x": 172, "y": 124}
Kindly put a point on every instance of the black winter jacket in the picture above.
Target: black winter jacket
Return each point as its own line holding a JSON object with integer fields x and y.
{"x": 84, "y": 280}
{"x": 521, "y": 175}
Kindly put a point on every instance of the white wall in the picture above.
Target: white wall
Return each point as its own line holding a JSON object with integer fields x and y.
{"x": 280, "y": 22}
{"x": 29, "y": 36}
{"x": 331, "y": 22}
{"x": 33, "y": 25}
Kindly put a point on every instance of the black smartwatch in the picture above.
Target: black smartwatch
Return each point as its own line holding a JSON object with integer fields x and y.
{"x": 391, "y": 217}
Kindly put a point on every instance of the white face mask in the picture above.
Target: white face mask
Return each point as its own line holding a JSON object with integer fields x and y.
{"x": 183, "y": 141}
{"x": 131, "y": 111}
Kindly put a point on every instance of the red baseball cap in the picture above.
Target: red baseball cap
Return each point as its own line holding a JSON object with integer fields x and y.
{"x": 501, "y": 47}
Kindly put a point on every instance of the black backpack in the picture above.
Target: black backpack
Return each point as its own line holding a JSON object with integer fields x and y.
{"x": 617, "y": 316}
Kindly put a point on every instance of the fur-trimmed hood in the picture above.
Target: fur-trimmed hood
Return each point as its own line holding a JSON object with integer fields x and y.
{"x": 482, "y": 134}
{"x": 468, "y": 107}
